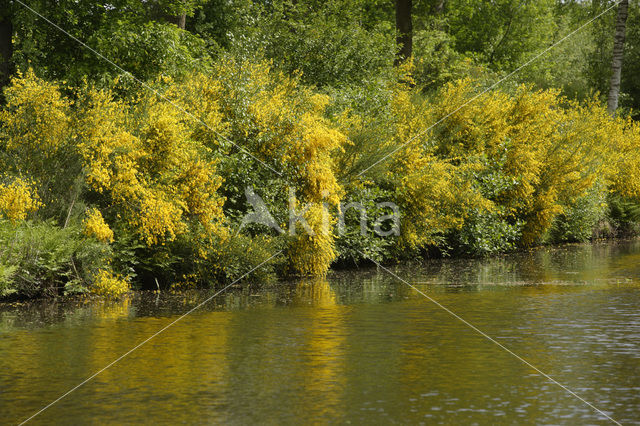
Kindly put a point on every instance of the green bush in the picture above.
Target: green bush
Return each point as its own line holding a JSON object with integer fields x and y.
{"x": 354, "y": 246}
{"x": 623, "y": 214}
{"x": 486, "y": 233}
{"x": 437, "y": 62}
{"x": 327, "y": 42}
{"x": 42, "y": 259}
{"x": 241, "y": 254}
{"x": 145, "y": 50}
{"x": 6, "y": 275}
{"x": 578, "y": 221}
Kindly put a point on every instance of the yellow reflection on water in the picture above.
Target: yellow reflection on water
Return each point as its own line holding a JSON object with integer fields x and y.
{"x": 316, "y": 291}
{"x": 325, "y": 375}
{"x": 316, "y": 351}
{"x": 192, "y": 354}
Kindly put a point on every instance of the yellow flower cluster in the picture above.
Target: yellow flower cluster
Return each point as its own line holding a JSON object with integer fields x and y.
{"x": 289, "y": 123}
{"x": 37, "y": 116}
{"x": 108, "y": 285}
{"x": 17, "y": 199}
{"x": 37, "y": 137}
{"x": 284, "y": 124}
{"x": 95, "y": 226}
{"x": 156, "y": 175}
{"x": 522, "y": 157}
{"x": 313, "y": 254}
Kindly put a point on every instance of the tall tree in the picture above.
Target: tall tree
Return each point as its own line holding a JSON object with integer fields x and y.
{"x": 174, "y": 11}
{"x": 618, "y": 52}
{"x": 505, "y": 33}
{"x": 6, "y": 47}
{"x": 404, "y": 29}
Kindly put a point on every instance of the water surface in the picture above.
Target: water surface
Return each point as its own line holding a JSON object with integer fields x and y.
{"x": 358, "y": 347}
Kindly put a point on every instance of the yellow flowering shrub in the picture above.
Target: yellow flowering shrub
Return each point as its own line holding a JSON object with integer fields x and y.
{"x": 282, "y": 123}
{"x": 36, "y": 118}
{"x": 17, "y": 199}
{"x": 532, "y": 152}
{"x": 95, "y": 226}
{"x": 624, "y": 170}
{"x": 519, "y": 157}
{"x": 170, "y": 177}
{"x": 432, "y": 190}
{"x": 569, "y": 162}
{"x": 312, "y": 254}
{"x": 36, "y": 139}
{"x": 109, "y": 285}
{"x": 154, "y": 174}
{"x": 307, "y": 144}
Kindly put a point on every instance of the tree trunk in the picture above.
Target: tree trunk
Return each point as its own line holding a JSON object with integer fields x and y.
{"x": 181, "y": 20}
{"x": 438, "y": 8}
{"x": 618, "y": 51}
{"x": 404, "y": 30}
{"x": 6, "y": 50}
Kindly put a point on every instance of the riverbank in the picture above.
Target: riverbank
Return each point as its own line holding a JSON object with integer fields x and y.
{"x": 112, "y": 188}
{"x": 471, "y": 272}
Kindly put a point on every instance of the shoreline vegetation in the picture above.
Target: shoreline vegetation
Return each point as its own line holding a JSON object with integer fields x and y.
{"x": 110, "y": 183}
{"x": 197, "y": 294}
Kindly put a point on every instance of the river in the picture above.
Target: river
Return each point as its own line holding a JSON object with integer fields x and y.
{"x": 357, "y": 347}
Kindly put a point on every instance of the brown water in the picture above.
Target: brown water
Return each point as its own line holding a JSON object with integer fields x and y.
{"x": 359, "y": 347}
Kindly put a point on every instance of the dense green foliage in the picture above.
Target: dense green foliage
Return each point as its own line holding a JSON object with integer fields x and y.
{"x": 112, "y": 178}
{"x": 43, "y": 259}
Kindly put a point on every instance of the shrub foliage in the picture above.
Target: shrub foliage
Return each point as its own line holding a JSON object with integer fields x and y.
{"x": 102, "y": 187}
